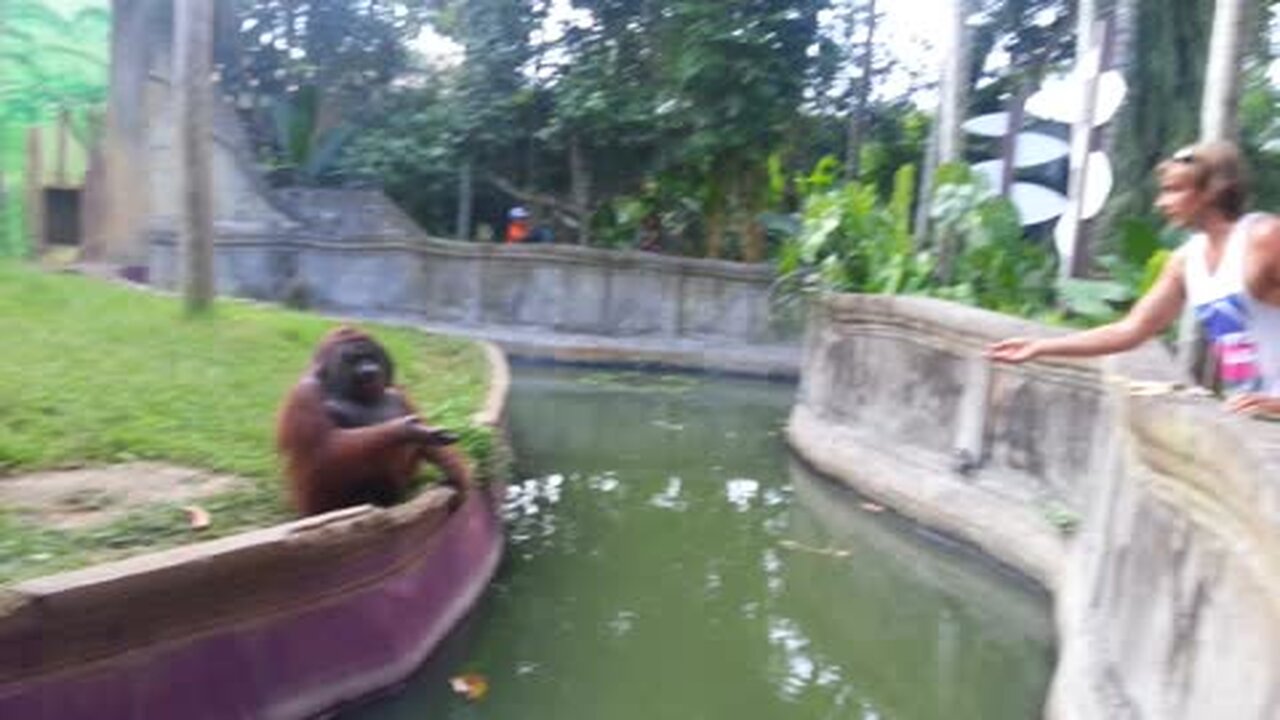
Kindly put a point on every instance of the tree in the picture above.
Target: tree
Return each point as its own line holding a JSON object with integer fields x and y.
{"x": 1218, "y": 112}
{"x": 306, "y": 74}
{"x": 945, "y": 142}
{"x": 736, "y": 87}
{"x": 861, "y": 90}
{"x": 604, "y": 96}
{"x": 495, "y": 36}
{"x": 1169, "y": 55}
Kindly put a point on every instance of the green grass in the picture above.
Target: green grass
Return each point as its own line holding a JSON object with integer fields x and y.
{"x": 97, "y": 374}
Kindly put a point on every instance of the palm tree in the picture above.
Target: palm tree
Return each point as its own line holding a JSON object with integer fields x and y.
{"x": 1218, "y": 107}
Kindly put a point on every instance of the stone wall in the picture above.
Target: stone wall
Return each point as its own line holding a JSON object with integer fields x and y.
{"x": 1170, "y": 609}
{"x": 897, "y": 387}
{"x": 558, "y": 289}
{"x": 1167, "y": 595}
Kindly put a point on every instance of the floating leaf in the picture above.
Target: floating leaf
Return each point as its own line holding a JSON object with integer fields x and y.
{"x": 472, "y": 686}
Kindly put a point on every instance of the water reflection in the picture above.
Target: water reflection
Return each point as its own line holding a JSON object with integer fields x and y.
{"x": 667, "y": 561}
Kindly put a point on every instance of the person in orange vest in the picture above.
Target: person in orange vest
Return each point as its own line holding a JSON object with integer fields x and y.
{"x": 517, "y": 225}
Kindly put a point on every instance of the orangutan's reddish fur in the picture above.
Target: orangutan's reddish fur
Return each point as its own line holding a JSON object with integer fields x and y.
{"x": 329, "y": 467}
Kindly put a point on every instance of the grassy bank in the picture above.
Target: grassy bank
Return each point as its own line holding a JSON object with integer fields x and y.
{"x": 97, "y": 374}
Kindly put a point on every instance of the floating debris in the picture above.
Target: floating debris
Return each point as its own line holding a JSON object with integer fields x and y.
{"x": 801, "y": 547}
{"x": 471, "y": 686}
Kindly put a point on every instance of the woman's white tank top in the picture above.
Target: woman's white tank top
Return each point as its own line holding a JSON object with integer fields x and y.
{"x": 1243, "y": 332}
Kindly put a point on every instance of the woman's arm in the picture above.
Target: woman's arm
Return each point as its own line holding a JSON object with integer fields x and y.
{"x": 1152, "y": 313}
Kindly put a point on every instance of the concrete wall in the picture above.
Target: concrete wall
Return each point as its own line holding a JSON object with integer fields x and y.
{"x": 558, "y": 289}
{"x": 1168, "y": 594}
{"x": 1170, "y": 609}
{"x": 897, "y": 388}
{"x": 242, "y": 200}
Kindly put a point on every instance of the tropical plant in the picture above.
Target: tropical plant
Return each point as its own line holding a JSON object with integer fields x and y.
{"x": 306, "y": 75}
{"x": 304, "y": 152}
{"x": 1139, "y": 252}
{"x": 984, "y": 259}
{"x": 850, "y": 241}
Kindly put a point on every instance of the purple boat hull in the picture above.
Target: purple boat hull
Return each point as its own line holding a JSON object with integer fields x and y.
{"x": 283, "y": 623}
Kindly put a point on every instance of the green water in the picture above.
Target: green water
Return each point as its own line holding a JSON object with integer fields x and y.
{"x": 667, "y": 560}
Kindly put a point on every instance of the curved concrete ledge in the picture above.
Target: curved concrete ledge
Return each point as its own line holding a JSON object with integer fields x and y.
{"x": 284, "y": 622}
{"x": 1171, "y": 606}
{"x": 896, "y": 399}
{"x": 1167, "y": 598}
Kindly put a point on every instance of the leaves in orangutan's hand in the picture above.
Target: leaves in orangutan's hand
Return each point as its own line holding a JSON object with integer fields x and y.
{"x": 472, "y": 686}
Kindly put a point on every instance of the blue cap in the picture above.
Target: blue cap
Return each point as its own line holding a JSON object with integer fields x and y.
{"x": 518, "y": 213}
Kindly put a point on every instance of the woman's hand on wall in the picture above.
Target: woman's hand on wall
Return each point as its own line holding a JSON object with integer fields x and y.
{"x": 1014, "y": 350}
{"x": 1254, "y": 404}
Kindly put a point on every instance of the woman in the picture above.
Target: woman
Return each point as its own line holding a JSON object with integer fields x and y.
{"x": 1229, "y": 271}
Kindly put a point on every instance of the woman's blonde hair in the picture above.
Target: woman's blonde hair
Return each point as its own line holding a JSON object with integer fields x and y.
{"x": 1217, "y": 169}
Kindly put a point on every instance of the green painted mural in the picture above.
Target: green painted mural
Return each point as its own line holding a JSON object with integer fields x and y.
{"x": 53, "y": 80}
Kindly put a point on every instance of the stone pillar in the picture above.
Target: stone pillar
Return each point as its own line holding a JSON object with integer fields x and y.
{"x": 193, "y": 105}
{"x": 35, "y": 192}
{"x": 115, "y": 229}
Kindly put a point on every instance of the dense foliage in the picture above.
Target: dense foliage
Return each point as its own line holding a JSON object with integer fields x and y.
{"x": 853, "y": 240}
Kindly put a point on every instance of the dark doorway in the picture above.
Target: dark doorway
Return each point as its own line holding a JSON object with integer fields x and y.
{"x": 62, "y": 217}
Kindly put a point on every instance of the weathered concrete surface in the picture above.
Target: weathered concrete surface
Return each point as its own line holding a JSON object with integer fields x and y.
{"x": 1168, "y": 597}
{"x": 562, "y": 301}
{"x": 892, "y": 391}
{"x": 1171, "y": 605}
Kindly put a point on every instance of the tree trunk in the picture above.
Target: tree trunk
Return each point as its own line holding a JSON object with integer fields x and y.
{"x": 946, "y": 142}
{"x": 715, "y": 232}
{"x": 754, "y": 238}
{"x": 1219, "y": 106}
{"x": 193, "y": 59}
{"x": 714, "y": 207}
{"x": 466, "y": 193}
{"x": 580, "y": 186}
{"x": 1009, "y": 144}
{"x": 955, "y": 84}
{"x": 861, "y": 95}
{"x": 1093, "y": 40}
{"x": 924, "y": 199}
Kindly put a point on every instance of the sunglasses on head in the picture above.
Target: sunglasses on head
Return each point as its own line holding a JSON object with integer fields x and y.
{"x": 1186, "y": 156}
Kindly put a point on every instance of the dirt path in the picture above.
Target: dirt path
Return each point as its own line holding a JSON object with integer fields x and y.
{"x": 72, "y": 499}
